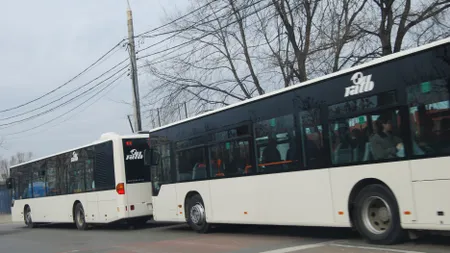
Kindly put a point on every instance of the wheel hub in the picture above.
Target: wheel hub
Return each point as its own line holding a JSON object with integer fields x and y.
{"x": 383, "y": 213}
{"x": 376, "y": 215}
{"x": 197, "y": 214}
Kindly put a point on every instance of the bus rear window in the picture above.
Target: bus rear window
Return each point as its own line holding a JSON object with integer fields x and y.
{"x": 135, "y": 169}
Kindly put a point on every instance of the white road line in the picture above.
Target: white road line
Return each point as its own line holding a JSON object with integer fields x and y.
{"x": 373, "y": 248}
{"x": 296, "y": 248}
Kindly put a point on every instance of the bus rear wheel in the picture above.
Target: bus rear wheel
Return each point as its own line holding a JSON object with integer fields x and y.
{"x": 196, "y": 214}
{"x": 79, "y": 217}
{"x": 377, "y": 216}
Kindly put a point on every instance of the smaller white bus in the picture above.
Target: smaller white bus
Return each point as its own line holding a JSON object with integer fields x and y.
{"x": 103, "y": 182}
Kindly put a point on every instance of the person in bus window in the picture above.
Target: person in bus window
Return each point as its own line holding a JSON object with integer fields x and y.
{"x": 385, "y": 145}
{"x": 271, "y": 154}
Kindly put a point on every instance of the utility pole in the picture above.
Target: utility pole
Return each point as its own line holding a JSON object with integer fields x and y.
{"x": 134, "y": 76}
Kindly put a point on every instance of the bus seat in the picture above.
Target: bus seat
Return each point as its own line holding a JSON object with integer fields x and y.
{"x": 199, "y": 171}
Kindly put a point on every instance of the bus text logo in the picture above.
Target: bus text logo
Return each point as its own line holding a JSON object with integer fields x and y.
{"x": 135, "y": 155}
{"x": 74, "y": 157}
{"x": 361, "y": 83}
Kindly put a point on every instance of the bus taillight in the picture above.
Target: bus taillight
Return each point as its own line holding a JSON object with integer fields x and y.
{"x": 120, "y": 188}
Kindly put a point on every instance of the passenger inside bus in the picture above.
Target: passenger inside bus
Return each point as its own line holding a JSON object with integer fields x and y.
{"x": 384, "y": 143}
{"x": 271, "y": 154}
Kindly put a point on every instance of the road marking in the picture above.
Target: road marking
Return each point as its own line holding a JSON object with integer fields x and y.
{"x": 296, "y": 248}
{"x": 373, "y": 248}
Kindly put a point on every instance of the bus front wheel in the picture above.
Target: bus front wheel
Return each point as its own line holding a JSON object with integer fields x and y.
{"x": 377, "y": 216}
{"x": 196, "y": 214}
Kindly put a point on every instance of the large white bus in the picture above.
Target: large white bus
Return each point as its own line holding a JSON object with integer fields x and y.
{"x": 367, "y": 147}
{"x": 103, "y": 182}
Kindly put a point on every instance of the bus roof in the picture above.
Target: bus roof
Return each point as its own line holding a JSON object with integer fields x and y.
{"x": 103, "y": 138}
{"x": 313, "y": 81}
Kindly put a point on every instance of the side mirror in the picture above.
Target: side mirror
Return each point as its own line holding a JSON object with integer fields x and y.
{"x": 10, "y": 183}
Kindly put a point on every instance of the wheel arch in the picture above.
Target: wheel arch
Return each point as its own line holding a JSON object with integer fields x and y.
{"x": 25, "y": 207}
{"x": 75, "y": 203}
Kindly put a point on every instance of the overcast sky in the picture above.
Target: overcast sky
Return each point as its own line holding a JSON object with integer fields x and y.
{"x": 45, "y": 43}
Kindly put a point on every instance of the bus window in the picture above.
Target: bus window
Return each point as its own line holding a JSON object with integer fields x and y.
{"x": 354, "y": 139}
{"x": 135, "y": 169}
{"x": 429, "y": 109}
{"x": 312, "y": 138}
{"x": 349, "y": 139}
{"x": 275, "y": 143}
{"x": 191, "y": 164}
{"x": 230, "y": 158}
{"x": 162, "y": 173}
{"x": 386, "y": 142}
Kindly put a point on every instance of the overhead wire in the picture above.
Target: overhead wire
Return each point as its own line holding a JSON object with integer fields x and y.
{"x": 209, "y": 33}
{"x": 118, "y": 44}
{"x": 66, "y": 83}
{"x": 67, "y": 112}
{"x": 66, "y": 95}
{"x": 177, "y": 19}
{"x": 198, "y": 23}
{"x": 65, "y": 103}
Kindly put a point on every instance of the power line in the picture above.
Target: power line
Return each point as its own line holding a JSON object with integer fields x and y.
{"x": 177, "y": 19}
{"x": 179, "y": 31}
{"x": 77, "y": 106}
{"x": 66, "y": 83}
{"x": 209, "y": 33}
{"x": 65, "y": 103}
{"x": 69, "y": 93}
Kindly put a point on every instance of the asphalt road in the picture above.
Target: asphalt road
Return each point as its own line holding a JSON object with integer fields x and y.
{"x": 170, "y": 238}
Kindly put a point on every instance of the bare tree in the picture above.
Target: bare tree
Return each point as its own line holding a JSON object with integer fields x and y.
{"x": 4, "y": 168}
{"x": 391, "y": 21}
{"x": 233, "y": 50}
{"x": 19, "y": 157}
{"x": 219, "y": 67}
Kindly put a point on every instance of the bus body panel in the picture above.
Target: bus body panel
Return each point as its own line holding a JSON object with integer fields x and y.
{"x": 256, "y": 199}
{"x": 295, "y": 198}
{"x": 396, "y": 175}
{"x": 60, "y": 208}
{"x": 92, "y": 207}
{"x": 431, "y": 209}
{"x": 238, "y": 203}
{"x": 431, "y": 181}
{"x": 107, "y": 206}
{"x": 165, "y": 205}
{"x": 139, "y": 202}
{"x": 430, "y": 169}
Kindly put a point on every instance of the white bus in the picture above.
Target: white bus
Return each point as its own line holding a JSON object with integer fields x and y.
{"x": 103, "y": 182}
{"x": 367, "y": 147}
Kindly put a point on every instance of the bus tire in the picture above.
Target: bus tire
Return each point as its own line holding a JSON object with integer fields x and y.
{"x": 196, "y": 214}
{"x": 28, "y": 217}
{"x": 79, "y": 217}
{"x": 377, "y": 216}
